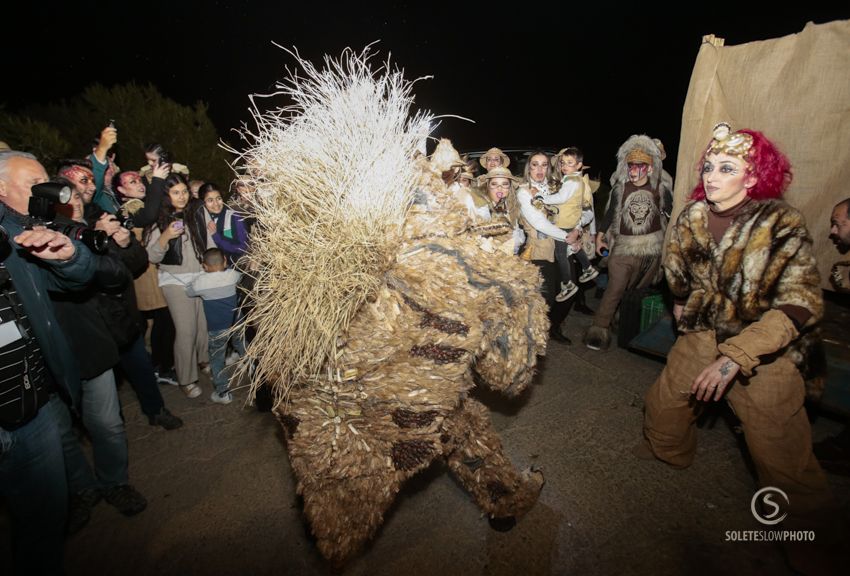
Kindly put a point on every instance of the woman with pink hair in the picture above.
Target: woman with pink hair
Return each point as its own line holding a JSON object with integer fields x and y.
{"x": 747, "y": 300}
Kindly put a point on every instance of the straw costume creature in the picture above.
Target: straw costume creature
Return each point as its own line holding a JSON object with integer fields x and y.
{"x": 376, "y": 308}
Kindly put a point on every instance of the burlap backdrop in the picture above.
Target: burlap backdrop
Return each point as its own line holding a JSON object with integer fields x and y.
{"x": 796, "y": 90}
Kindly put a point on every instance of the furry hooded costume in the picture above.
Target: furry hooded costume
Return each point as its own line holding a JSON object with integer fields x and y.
{"x": 635, "y": 222}
{"x": 639, "y": 213}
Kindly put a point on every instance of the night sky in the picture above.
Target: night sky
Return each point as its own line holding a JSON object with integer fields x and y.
{"x": 539, "y": 75}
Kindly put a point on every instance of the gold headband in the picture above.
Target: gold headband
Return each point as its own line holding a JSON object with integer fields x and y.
{"x": 638, "y": 156}
{"x": 724, "y": 141}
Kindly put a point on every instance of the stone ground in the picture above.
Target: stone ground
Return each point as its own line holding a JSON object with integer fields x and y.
{"x": 222, "y": 499}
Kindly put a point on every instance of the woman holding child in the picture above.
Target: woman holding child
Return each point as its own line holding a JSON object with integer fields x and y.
{"x": 541, "y": 236}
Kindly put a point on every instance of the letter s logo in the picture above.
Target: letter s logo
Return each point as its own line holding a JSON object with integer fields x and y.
{"x": 766, "y": 496}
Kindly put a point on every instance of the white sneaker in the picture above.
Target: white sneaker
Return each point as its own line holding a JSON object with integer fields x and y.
{"x": 225, "y": 398}
{"x": 232, "y": 358}
{"x": 191, "y": 390}
{"x": 166, "y": 378}
{"x": 568, "y": 290}
{"x": 588, "y": 275}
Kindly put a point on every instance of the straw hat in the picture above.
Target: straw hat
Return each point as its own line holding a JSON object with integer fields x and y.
{"x": 497, "y": 172}
{"x": 494, "y": 152}
{"x": 638, "y": 156}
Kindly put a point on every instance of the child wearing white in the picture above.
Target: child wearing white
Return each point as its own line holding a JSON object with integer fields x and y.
{"x": 216, "y": 286}
{"x": 575, "y": 211}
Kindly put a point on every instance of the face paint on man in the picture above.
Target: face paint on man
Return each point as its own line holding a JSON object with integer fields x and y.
{"x": 83, "y": 180}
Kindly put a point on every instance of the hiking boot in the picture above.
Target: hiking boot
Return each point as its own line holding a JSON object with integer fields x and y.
{"x": 597, "y": 338}
{"x": 167, "y": 377}
{"x": 224, "y": 398}
{"x": 79, "y": 509}
{"x": 126, "y": 499}
{"x": 568, "y": 290}
{"x": 165, "y": 419}
{"x": 588, "y": 275}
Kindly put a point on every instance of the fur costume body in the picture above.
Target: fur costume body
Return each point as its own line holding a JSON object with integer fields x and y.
{"x": 763, "y": 261}
{"x": 447, "y": 306}
{"x": 378, "y": 304}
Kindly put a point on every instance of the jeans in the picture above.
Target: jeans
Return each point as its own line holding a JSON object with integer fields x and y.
{"x": 217, "y": 350}
{"x": 136, "y": 364}
{"x": 32, "y": 480}
{"x": 101, "y": 413}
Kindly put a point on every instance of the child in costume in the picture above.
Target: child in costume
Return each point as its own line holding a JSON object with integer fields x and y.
{"x": 574, "y": 203}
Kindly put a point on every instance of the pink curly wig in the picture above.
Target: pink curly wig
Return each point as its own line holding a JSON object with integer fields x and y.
{"x": 766, "y": 163}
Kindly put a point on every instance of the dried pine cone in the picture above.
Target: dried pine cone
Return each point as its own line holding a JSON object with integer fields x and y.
{"x": 409, "y": 454}
{"x": 290, "y": 424}
{"x": 410, "y": 419}
{"x": 438, "y": 353}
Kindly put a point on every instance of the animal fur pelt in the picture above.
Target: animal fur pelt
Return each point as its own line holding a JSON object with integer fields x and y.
{"x": 640, "y": 142}
{"x": 438, "y": 314}
{"x": 763, "y": 261}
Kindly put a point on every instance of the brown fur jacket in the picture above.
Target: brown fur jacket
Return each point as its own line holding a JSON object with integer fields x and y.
{"x": 763, "y": 261}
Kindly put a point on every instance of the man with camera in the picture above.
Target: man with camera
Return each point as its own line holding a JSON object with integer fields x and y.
{"x": 121, "y": 312}
{"x": 36, "y": 362}
{"x": 95, "y": 324}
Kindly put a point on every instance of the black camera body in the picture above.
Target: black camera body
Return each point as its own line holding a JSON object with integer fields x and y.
{"x": 45, "y": 197}
{"x": 42, "y": 210}
{"x": 125, "y": 221}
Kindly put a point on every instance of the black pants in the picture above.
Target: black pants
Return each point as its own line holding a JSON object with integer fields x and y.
{"x": 162, "y": 338}
{"x": 558, "y": 311}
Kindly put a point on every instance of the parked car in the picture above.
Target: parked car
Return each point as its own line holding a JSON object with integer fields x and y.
{"x": 518, "y": 156}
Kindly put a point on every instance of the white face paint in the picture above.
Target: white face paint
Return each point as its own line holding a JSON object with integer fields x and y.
{"x": 726, "y": 180}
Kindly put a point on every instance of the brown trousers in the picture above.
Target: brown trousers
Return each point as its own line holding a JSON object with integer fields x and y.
{"x": 770, "y": 407}
{"x": 624, "y": 273}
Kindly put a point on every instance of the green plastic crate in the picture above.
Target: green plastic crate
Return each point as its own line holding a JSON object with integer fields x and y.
{"x": 651, "y": 310}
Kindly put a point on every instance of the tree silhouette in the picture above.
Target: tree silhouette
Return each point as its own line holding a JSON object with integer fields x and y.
{"x": 141, "y": 114}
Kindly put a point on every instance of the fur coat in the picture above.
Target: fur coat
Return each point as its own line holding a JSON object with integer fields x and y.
{"x": 763, "y": 261}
